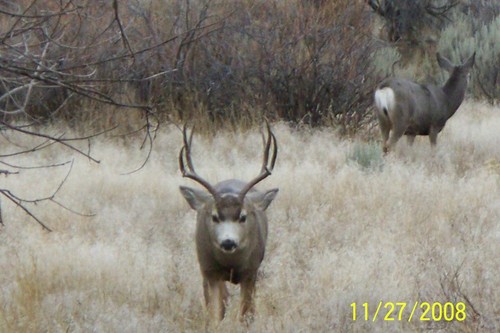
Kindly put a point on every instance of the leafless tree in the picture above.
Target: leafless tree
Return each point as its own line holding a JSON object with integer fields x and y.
{"x": 52, "y": 58}
{"x": 405, "y": 18}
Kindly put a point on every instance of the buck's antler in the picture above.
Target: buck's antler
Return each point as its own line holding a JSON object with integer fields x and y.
{"x": 190, "y": 172}
{"x": 267, "y": 167}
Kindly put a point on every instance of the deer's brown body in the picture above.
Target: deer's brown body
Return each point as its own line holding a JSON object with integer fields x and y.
{"x": 231, "y": 231}
{"x": 404, "y": 107}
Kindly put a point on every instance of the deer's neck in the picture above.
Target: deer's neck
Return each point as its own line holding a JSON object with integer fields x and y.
{"x": 454, "y": 90}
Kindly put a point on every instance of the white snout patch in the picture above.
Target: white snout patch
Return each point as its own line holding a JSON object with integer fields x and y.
{"x": 228, "y": 231}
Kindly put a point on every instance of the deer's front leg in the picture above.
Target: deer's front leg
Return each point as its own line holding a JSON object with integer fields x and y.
{"x": 247, "y": 293}
{"x": 410, "y": 139}
{"x": 216, "y": 294}
{"x": 223, "y": 295}
{"x": 433, "y": 133}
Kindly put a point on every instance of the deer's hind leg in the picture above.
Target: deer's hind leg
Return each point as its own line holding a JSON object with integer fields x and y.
{"x": 385, "y": 127}
{"x": 410, "y": 138}
{"x": 399, "y": 119}
{"x": 396, "y": 134}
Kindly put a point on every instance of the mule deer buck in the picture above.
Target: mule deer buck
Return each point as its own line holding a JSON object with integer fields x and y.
{"x": 231, "y": 229}
{"x": 411, "y": 109}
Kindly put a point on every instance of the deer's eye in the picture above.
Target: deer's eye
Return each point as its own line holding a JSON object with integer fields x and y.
{"x": 215, "y": 219}
{"x": 243, "y": 218}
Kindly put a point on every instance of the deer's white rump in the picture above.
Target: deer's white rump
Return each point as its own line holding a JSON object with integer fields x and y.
{"x": 385, "y": 99}
{"x": 404, "y": 107}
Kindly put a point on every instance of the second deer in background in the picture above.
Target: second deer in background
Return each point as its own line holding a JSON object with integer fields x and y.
{"x": 409, "y": 108}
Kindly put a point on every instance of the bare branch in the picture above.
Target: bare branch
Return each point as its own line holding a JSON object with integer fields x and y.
{"x": 34, "y": 167}
{"x": 7, "y": 172}
{"x": 19, "y": 203}
{"x": 149, "y": 139}
{"x": 126, "y": 43}
{"x": 59, "y": 140}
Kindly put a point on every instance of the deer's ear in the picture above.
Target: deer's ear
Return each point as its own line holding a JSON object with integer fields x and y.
{"x": 195, "y": 198}
{"x": 263, "y": 200}
{"x": 470, "y": 62}
{"x": 444, "y": 63}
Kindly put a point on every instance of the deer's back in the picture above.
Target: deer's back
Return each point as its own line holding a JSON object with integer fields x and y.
{"x": 419, "y": 106}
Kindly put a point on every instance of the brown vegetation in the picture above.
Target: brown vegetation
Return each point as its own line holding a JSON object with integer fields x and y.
{"x": 222, "y": 61}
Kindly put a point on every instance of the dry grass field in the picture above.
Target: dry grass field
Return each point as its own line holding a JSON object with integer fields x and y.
{"x": 348, "y": 225}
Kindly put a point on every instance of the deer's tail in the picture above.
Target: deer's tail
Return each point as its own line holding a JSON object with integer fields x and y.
{"x": 385, "y": 101}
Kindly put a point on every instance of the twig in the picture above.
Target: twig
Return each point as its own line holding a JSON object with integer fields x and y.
{"x": 7, "y": 172}
{"x": 34, "y": 167}
{"x": 148, "y": 138}
{"x": 18, "y": 202}
{"x": 58, "y": 140}
{"x": 122, "y": 31}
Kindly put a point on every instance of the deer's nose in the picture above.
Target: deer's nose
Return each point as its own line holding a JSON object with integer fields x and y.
{"x": 228, "y": 245}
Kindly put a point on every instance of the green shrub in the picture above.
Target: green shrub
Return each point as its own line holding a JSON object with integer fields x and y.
{"x": 385, "y": 60}
{"x": 462, "y": 38}
{"x": 367, "y": 155}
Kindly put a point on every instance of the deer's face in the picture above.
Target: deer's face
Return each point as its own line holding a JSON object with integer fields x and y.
{"x": 459, "y": 73}
{"x": 228, "y": 217}
{"x": 462, "y": 73}
{"x": 231, "y": 224}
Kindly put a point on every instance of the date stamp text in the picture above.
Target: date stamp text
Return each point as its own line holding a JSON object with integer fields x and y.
{"x": 399, "y": 311}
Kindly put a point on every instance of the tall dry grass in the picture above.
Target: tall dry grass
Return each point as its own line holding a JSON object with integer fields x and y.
{"x": 420, "y": 226}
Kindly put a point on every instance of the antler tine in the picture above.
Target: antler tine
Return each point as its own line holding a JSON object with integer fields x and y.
{"x": 275, "y": 145}
{"x": 266, "y": 166}
{"x": 190, "y": 172}
{"x": 187, "y": 146}
{"x": 271, "y": 139}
